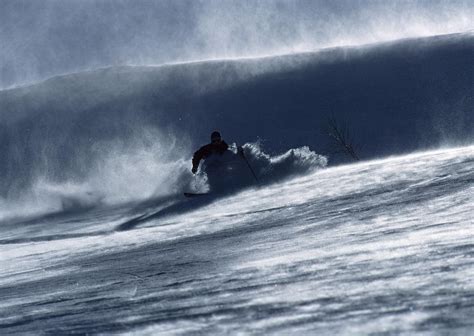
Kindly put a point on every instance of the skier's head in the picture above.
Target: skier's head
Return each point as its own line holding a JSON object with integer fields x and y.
{"x": 215, "y": 137}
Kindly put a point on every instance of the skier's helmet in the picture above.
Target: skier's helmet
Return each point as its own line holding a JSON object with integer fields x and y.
{"x": 215, "y": 136}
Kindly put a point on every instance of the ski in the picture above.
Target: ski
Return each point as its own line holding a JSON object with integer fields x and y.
{"x": 189, "y": 194}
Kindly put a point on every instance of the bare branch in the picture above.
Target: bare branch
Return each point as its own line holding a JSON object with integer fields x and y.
{"x": 342, "y": 140}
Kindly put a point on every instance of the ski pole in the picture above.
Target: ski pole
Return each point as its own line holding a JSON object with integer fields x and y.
{"x": 241, "y": 152}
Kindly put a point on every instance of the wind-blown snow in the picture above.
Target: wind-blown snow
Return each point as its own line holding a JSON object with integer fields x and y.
{"x": 45, "y": 38}
{"x": 377, "y": 247}
{"x": 96, "y": 235}
{"x": 127, "y": 133}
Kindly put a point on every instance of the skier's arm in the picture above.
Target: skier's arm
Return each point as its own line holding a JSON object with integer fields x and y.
{"x": 225, "y": 145}
{"x": 197, "y": 157}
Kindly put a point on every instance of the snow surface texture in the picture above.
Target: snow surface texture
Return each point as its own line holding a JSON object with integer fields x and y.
{"x": 377, "y": 247}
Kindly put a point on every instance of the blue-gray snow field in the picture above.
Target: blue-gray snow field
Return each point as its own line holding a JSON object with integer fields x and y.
{"x": 96, "y": 236}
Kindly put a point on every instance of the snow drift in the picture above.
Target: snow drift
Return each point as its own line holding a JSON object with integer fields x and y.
{"x": 127, "y": 133}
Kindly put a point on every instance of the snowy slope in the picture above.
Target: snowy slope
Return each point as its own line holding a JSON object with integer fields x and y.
{"x": 106, "y": 134}
{"x": 377, "y": 247}
{"x": 97, "y": 237}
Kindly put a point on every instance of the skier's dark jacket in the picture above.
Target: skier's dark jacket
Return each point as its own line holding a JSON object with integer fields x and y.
{"x": 207, "y": 150}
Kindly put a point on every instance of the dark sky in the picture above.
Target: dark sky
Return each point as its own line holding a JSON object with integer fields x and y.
{"x": 39, "y": 39}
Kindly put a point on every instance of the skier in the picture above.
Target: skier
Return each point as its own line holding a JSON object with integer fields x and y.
{"x": 217, "y": 146}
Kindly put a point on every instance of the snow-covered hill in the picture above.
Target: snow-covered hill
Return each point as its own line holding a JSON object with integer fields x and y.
{"x": 376, "y": 247}
{"x": 127, "y": 133}
{"x": 96, "y": 236}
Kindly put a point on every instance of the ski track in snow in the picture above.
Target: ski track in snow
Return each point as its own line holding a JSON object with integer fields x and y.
{"x": 377, "y": 247}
